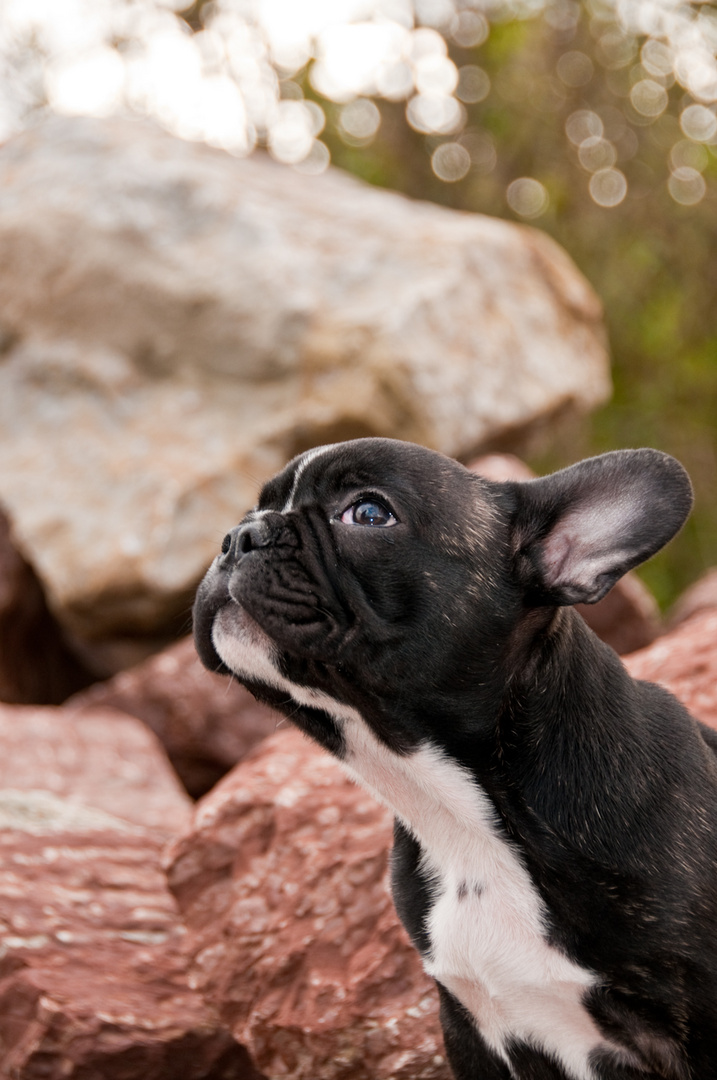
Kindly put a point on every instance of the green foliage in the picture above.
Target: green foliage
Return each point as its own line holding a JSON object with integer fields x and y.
{"x": 652, "y": 260}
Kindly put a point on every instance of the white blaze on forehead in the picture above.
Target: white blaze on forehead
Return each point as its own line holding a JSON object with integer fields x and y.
{"x": 301, "y": 467}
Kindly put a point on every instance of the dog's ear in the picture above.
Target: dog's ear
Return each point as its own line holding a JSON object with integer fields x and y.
{"x": 576, "y": 532}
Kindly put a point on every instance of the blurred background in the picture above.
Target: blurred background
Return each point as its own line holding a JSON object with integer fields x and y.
{"x": 592, "y": 121}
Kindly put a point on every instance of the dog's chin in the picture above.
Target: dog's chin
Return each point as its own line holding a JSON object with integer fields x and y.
{"x": 244, "y": 647}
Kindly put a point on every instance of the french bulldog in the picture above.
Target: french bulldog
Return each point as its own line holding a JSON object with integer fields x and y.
{"x": 555, "y": 857}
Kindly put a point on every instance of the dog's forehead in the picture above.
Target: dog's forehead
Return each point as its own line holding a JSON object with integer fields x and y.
{"x": 387, "y": 465}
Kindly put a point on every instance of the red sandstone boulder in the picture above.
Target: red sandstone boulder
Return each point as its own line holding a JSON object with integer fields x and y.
{"x": 93, "y": 979}
{"x": 628, "y": 617}
{"x": 685, "y": 662}
{"x": 205, "y": 722}
{"x": 93, "y": 976}
{"x": 101, "y": 758}
{"x": 283, "y": 884}
{"x": 36, "y": 665}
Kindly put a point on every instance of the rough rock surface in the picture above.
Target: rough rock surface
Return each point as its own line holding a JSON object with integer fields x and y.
{"x": 205, "y": 722}
{"x": 100, "y": 758}
{"x": 282, "y": 882}
{"x": 685, "y": 662}
{"x": 36, "y": 664}
{"x": 93, "y": 977}
{"x": 628, "y": 618}
{"x": 193, "y": 320}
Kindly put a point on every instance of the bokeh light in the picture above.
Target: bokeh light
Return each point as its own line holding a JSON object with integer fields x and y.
{"x": 583, "y": 124}
{"x": 596, "y": 153}
{"x": 687, "y": 186}
{"x": 699, "y": 123}
{"x": 435, "y": 114}
{"x": 608, "y": 187}
{"x": 575, "y": 68}
{"x": 471, "y": 29}
{"x": 236, "y": 74}
{"x": 649, "y": 97}
{"x": 481, "y": 149}
{"x": 473, "y": 84}
{"x": 527, "y": 197}
{"x": 359, "y": 121}
{"x": 450, "y": 162}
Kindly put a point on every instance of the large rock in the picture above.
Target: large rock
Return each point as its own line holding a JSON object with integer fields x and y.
{"x": 93, "y": 980}
{"x": 100, "y": 758}
{"x": 282, "y": 882}
{"x": 36, "y": 664}
{"x": 685, "y": 662}
{"x": 205, "y": 722}
{"x": 93, "y": 975}
{"x": 177, "y": 323}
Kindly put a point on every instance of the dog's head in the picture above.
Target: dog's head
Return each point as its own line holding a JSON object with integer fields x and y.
{"x": 388, "y": 578}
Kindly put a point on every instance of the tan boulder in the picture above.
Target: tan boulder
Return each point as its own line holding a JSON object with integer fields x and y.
{"x": 177, "y": 323}
{"x": 283, "y": 884}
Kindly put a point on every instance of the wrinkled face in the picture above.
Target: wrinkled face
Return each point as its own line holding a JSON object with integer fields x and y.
{"x": 365, "y": 572}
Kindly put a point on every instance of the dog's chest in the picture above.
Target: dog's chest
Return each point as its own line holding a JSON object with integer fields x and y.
{"x": 486, "y": 925}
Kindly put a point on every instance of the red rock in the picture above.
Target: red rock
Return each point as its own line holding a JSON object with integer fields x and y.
{"x": 283, "y": 884}
{"x": 93, "y": 976}
{"x": 93, "y": 982}
{"x": 701, "y": 596}
{"x": 628, "y": 617}
{"x": 205, "y": 722}
{"x": 101, "y": 758}
{"x": 685, "y": 662}
{"x": 36, "y": 664}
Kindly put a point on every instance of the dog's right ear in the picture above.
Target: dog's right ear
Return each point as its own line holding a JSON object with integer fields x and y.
{"x": 579, "y": 530}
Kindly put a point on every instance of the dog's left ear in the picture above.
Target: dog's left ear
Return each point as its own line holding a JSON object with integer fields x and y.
{"x": 576, "y": 532}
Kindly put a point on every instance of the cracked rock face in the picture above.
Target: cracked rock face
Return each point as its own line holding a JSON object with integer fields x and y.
{"x": 177, "y": 323}
{"x": 283, "y": 885}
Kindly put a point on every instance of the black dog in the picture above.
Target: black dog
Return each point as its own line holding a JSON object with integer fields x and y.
{"x": 555, "y": 857}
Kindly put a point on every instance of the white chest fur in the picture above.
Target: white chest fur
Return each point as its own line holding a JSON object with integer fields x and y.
{"x": 487, "y": 924}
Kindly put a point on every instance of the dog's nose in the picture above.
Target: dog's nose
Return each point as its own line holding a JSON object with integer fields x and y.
{"x": 244, "y": 538}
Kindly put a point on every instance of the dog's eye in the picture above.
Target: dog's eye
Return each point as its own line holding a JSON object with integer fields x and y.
{"x": 368, "y": 512}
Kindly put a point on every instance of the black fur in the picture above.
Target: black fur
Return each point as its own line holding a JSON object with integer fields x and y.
{"x": 454, "y": 626}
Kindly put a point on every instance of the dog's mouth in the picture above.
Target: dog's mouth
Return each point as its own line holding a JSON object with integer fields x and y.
{"x": 241, "y": 630}
{"x": 243, "y": 647}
